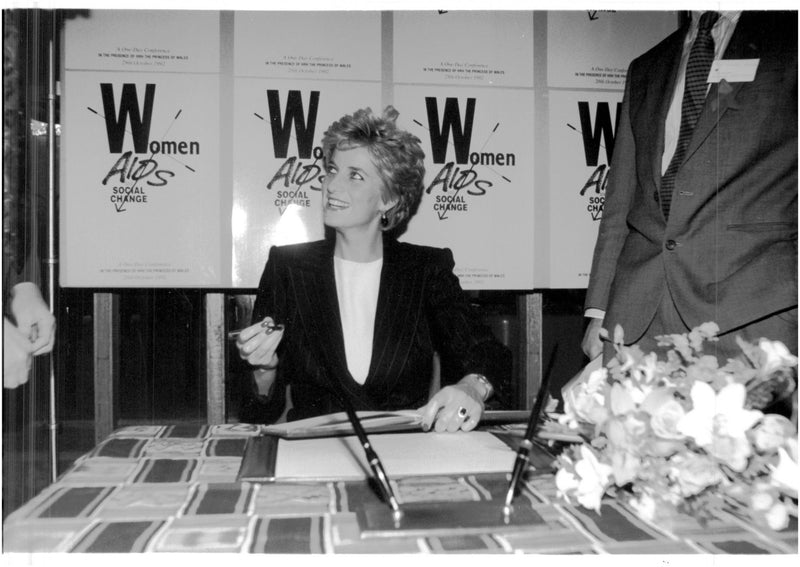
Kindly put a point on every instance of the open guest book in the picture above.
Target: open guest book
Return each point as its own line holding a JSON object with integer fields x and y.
{"x": 337, "y": 424}
{"x": 324, "y": 448}
{"x": 374, "y": 422}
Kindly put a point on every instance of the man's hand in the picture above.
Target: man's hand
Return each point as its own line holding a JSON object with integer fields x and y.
{"x": 17, "y": 355}
{"x": 592, "y": 345}
{"x": 33, "y": 317}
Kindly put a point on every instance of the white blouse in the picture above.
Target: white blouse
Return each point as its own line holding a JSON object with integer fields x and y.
{"x": 357, "y": 285}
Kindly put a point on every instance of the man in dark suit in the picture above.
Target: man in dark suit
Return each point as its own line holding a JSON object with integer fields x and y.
{"x": 700, "y": 216}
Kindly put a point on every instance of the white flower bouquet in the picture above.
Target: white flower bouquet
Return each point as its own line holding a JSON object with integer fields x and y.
{"x": 684, "y": 434}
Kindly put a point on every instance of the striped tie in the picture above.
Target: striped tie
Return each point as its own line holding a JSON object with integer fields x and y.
{"x": 700, "y": 58}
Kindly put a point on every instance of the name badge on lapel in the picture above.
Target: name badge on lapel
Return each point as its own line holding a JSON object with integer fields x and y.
{"x": 733, "y": 70}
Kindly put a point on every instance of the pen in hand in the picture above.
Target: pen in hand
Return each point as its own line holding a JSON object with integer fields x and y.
{"x": 267, "y": 327}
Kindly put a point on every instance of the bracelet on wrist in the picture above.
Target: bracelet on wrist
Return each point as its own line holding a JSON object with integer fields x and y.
{"x": 488, "y": 389}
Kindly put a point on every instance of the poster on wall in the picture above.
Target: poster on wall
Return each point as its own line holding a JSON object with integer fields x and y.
{"x": 465, "y": 48}
{"x": 277, "y": 162}
{"x": 140, "y": 150}
{"x": 582, "y": 126}
{"x": 478, "y": 198}
{"x": 308, "y": 45}
{"x": 140, "y": 180}
{"x": 591, "y": 49}
{"x": 295, "y": 73}
{"x": 143, "y": 40}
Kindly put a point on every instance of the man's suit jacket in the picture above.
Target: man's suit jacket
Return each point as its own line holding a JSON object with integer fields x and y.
{"x": 728, "y": 252}
{"x": 421, "y": 309}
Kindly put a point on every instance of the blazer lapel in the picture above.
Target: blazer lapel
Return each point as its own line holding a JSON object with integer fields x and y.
{"x": 395, "y": 316}
{"x": 650, "y": 112}
{"x": 722, "y": 96}
{"x": 321, "y": 310}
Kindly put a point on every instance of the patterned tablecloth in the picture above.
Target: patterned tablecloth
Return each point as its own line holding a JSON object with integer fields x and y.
{"x": 174, "y": 488}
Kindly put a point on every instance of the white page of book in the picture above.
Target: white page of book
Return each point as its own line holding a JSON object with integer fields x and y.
{"x": 402, "y": 454}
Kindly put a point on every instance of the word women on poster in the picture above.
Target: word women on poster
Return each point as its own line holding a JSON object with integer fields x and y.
{"x": 463, "y": 82}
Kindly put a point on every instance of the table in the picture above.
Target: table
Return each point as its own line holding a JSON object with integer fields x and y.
{"x": 173, "y": 488}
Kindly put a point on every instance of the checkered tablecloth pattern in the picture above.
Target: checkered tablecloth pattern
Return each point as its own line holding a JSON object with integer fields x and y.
{"x": 174, "y": 488}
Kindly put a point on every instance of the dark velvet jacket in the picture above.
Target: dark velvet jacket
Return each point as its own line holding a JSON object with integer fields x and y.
{"x": 421, "y": 310}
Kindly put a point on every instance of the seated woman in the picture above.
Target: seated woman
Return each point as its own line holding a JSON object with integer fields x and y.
{"x": 362, "y": 312}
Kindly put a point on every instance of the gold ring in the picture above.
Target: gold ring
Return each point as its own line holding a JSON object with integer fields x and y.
{"x": 462, "y": 412}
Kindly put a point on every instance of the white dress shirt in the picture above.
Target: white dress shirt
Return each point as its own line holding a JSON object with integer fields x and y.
{"x": 721, "y": 32}
{"x": 357, "y": 286}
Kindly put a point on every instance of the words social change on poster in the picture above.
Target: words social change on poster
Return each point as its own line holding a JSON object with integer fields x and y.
{"x": 458, "y": 179}
{"x": 154, "y": 165}
{"x": 138, "y": 170}
{"x": 140, "y": 150}
{"x": 478, "y": 193}
{"x": 298, "y": 174}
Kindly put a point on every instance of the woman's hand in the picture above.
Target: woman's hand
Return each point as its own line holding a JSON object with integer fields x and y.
{"x": 453, "y": 407}
{"x": 257, "y": 346}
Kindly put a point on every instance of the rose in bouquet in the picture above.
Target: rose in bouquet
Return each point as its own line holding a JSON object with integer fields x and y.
{"x": 683, "y": 433}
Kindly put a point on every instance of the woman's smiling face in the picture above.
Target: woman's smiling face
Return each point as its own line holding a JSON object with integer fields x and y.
{"x": 352, "y": 190}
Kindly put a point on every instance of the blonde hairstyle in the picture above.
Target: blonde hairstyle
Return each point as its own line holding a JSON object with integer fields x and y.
{"x": 396, "y": 154}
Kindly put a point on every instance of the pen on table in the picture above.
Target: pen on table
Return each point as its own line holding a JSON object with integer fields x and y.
{"x": 523, "y": 453}
{"x": 372, "y": 457}
{"x": 267, "y": 327}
